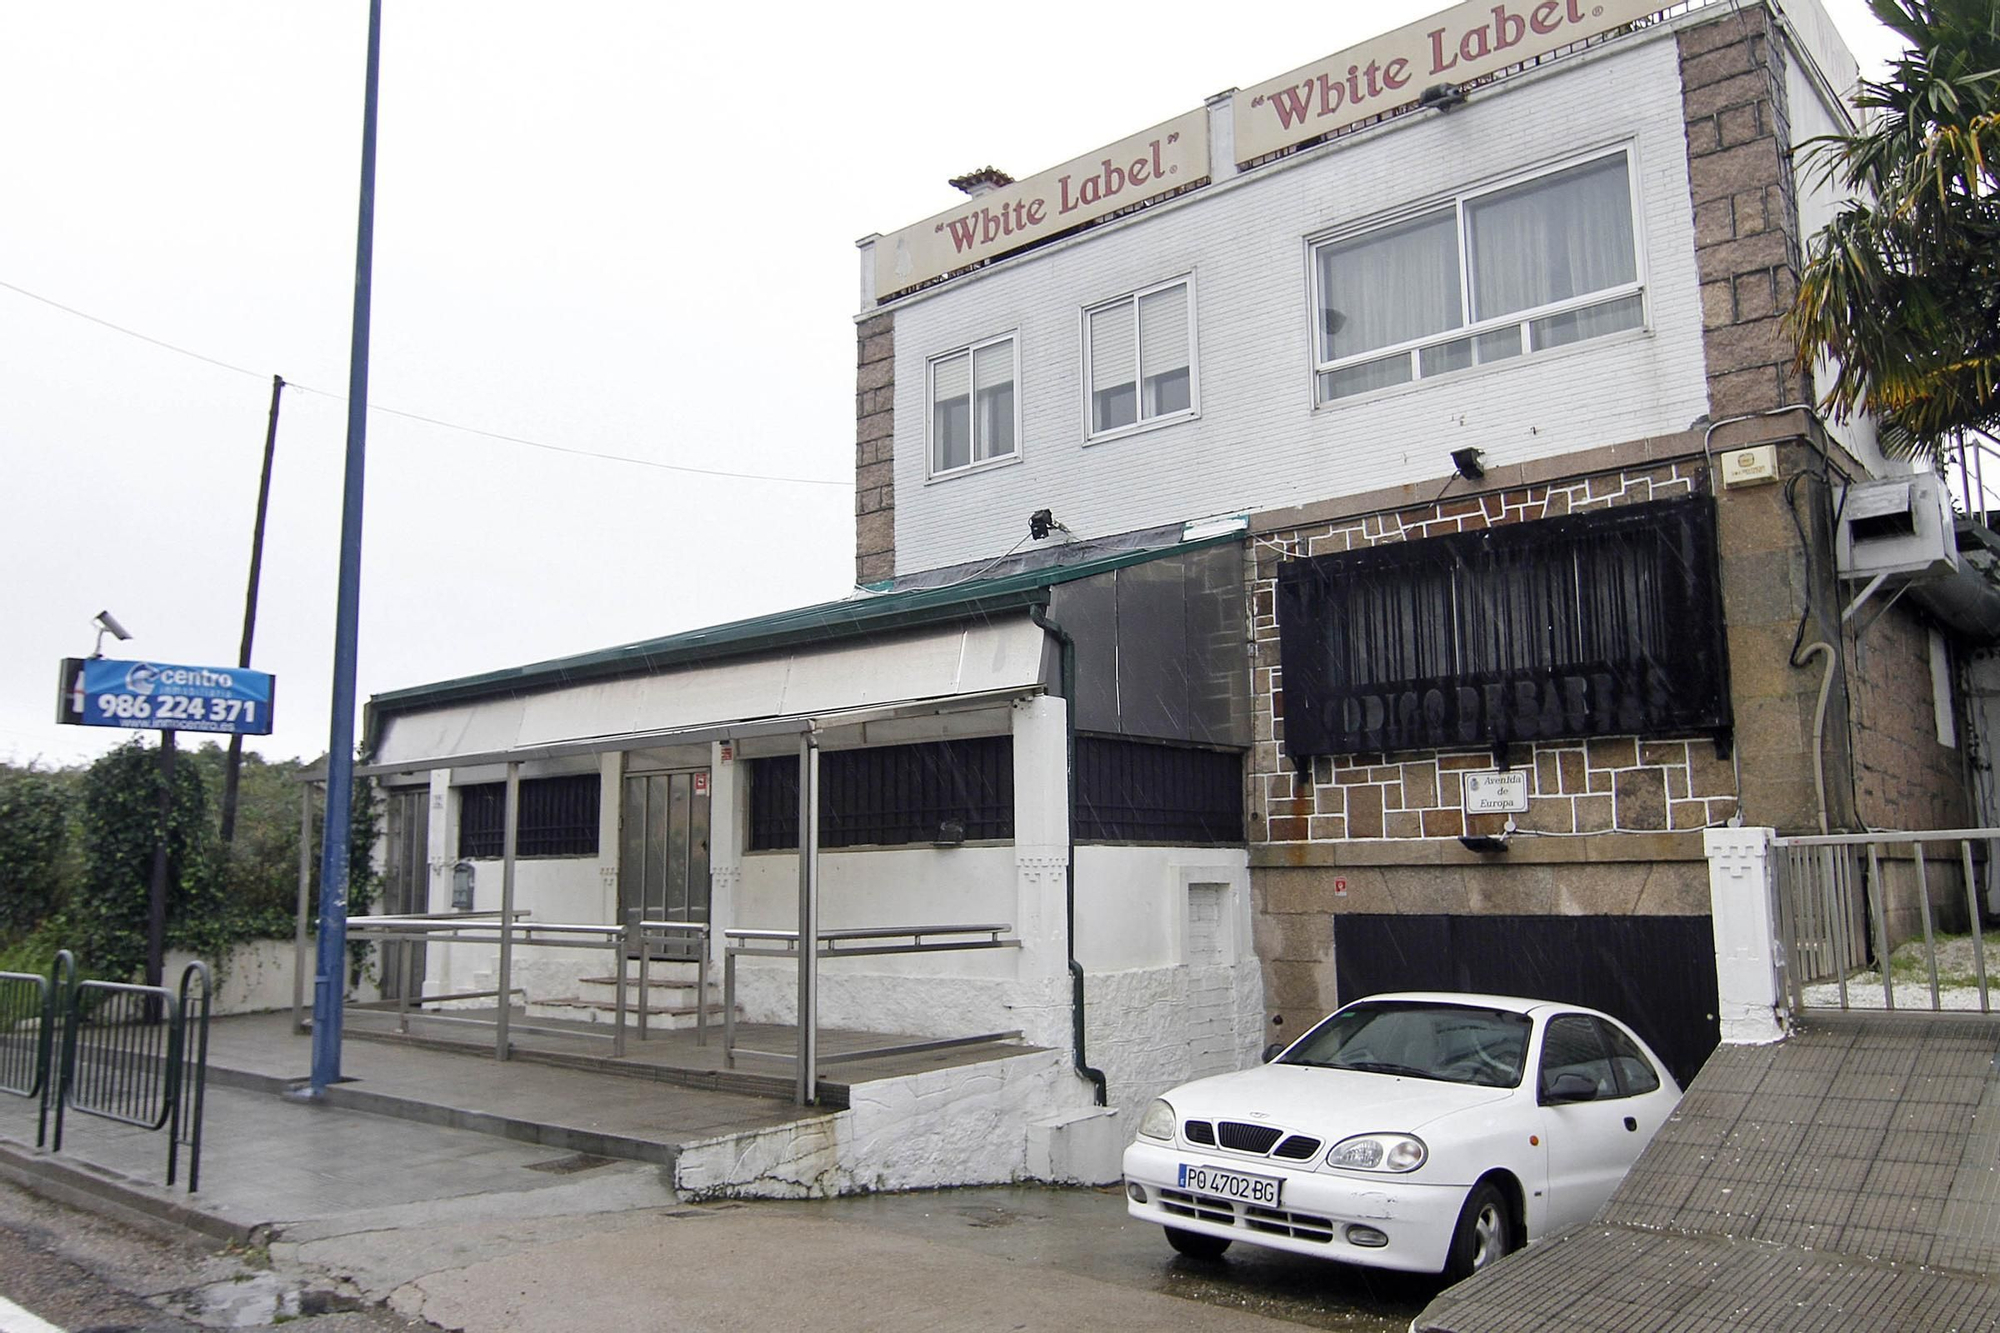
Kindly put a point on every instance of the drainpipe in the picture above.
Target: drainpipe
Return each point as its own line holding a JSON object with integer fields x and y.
{"x": 1039, "y": 615}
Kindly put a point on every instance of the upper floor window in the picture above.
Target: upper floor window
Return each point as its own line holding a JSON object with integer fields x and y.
{"x": 975, "y": 417}
{"x": 1138, "y": 357}
{"x": 1494, "y": 274}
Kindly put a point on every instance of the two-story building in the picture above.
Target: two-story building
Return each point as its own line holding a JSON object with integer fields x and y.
{"x": 1354, "y": 535}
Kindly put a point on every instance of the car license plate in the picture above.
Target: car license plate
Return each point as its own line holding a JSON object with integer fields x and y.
{"x": 1236, "y": 1185}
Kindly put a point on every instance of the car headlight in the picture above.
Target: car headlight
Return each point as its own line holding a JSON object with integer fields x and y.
{"x": 1377, "y": 1152}
{"x": 1158, "y": 1122}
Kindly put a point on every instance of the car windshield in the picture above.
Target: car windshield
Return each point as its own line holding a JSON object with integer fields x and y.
{"x": 1448, "y": 1042}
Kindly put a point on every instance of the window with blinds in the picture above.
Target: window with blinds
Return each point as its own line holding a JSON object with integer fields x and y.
{"x": 1139, "y": 358}
{"x": 1603, "y": 623}
{"x": 1487, "y": 277}
{"x": 973, "y": 417}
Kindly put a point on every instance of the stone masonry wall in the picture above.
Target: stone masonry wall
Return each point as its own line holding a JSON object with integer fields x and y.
{"x": 875, "y": 449}
{"x": 1904, "y": 778}
{"x": 1620, "y": 784}
{"x": 1734, "y": 107}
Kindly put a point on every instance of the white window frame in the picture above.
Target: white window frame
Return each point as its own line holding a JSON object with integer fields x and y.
{"x": 970, "y": 351}
{"x": 1141, "y": 424}
{"x": 1640, "y": 286}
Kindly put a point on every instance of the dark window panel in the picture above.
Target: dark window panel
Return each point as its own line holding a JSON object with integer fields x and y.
{"x": 1132, "y": 791}
{"x": 889, "y": 795}
{"x": 558, "y": 817}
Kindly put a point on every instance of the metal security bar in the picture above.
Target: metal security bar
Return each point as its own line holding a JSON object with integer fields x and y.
{"x": 29, "y": 1017}
{"x": 871, "y": 942}
{"x": 127, "y": 1057}
{"x": 1855, "y": 909}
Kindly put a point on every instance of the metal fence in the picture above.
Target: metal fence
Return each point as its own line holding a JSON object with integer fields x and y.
{"x": 1884, "y": 920}
{"x": 29, "y": 1016}
{"x": 636, "y": 942}
{"x": 138, "y": 1055}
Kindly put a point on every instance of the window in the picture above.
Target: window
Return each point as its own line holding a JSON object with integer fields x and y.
{"x": 1635, "y": 1072}
{"x": 1136, "y": 791}
{"x": 892, "y": 794}
{"x": 1600, "y": 1052}
{"x": 1492, "y": 275}
{"x": 1138, "y": 358}
{"x": 1595, "y": 624}
{"x": 974, "y": 415}
{"x": 558, "y": 817}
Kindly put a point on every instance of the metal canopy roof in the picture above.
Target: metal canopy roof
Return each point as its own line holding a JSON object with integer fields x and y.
{"x": 871, "y": 613}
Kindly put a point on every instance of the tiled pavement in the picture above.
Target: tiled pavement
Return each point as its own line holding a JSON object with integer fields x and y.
{"x": 1846, "y": 1178}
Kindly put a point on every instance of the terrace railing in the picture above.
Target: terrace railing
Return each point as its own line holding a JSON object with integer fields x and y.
{"x": 634, "y": 942}
{"x": 1885, "y": 920}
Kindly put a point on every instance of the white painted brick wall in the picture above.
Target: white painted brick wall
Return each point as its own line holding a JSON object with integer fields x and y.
{"x": 1258, "y": 443}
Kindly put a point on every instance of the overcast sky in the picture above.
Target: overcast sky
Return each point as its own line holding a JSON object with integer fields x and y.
{"x": 621, "y": 228}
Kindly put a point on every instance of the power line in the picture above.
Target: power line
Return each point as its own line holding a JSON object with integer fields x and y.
{"x": 419, "y": 416}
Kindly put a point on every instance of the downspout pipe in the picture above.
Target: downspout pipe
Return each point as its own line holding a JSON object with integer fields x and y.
{"x": 1039, "y": 615}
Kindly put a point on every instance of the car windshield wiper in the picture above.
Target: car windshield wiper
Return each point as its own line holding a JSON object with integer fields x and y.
{"x": 1385, "y": 1067}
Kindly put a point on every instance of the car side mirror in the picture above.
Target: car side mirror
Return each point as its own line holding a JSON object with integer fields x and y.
{"x": 1571, "y": 1087}
{"x": 1272, "y": 1051}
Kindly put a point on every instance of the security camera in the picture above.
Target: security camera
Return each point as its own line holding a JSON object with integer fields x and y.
{"x": 107, "y": 621}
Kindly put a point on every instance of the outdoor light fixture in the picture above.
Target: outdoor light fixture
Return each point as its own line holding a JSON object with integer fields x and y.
{"x": 108, "y": 624}
{"x": 1466, "y": 460}
{"x": 1442, "y": 96}
{"x": 1042, "y": 522}
{"x": 461, "y": 887}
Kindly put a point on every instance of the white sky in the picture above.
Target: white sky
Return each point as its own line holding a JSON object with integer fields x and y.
{"x": 620, "y": 227}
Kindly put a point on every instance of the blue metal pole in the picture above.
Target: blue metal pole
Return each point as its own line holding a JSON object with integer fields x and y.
{"x": 330, "y": 984}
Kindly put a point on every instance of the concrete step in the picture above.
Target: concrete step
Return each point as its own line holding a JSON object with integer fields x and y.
{"x": 659, "y": 1014}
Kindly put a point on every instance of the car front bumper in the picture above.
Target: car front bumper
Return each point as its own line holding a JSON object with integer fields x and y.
{"x": 1318, "y": 1213}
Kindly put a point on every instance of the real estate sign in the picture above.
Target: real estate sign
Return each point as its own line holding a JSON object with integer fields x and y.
{"x": 161, "y": 696}
{"x": 1467, "y": 42}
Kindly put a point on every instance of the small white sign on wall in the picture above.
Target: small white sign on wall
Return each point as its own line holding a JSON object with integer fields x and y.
{"x": 1494, "y": 793}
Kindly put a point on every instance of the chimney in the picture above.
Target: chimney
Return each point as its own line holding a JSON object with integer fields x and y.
{"x": 981, "y": 181}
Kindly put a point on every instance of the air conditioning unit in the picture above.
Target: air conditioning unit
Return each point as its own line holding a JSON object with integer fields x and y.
{"x": 1896, "y": 526}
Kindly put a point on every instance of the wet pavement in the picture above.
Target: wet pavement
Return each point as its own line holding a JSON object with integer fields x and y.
{"x": 335, "y": 1209}
{"x": 1845, "y": 1178}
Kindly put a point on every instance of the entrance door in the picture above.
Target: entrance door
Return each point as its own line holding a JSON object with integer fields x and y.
{"x": 663, "y": 866}
{"x": 406, "y": 885}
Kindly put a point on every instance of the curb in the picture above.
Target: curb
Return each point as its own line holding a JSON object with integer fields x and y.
{"x": 151, "y": 1208}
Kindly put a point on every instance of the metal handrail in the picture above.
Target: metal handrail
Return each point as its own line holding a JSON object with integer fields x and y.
{"x": 762, "y": 943}
{"x": 633, "y": 937}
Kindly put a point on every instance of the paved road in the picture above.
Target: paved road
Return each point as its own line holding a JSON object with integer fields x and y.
{"x": 1016, "y": 1258}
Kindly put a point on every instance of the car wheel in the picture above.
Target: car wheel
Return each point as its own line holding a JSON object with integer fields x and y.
{"x": 1485, "y": 1232}
{"x": 1195, "y": 1245}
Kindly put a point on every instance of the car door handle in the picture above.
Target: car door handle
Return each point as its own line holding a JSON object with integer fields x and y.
{"x": 1632, "y": 1123}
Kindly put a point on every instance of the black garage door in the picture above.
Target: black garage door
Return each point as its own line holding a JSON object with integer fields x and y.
{"x": 1656, "y": 973}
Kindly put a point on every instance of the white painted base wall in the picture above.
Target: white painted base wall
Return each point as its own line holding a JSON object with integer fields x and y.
{"x": 971, "y": 1125}
{"x": 255, "y": 977}
{"x": 1153, "y": 1028}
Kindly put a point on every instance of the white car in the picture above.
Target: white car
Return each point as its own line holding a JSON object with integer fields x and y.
{"x": 1425, "y": 1132}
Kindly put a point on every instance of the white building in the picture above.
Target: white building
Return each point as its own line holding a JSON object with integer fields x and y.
{"x": 1410, "y": 449}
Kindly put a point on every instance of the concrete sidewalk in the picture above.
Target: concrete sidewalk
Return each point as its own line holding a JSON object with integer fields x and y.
{"x": 1845, "y": 1178}
{"x": 490, "y": 1234}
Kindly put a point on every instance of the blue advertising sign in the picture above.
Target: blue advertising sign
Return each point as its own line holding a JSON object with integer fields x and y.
{"x": 160, "y": 696}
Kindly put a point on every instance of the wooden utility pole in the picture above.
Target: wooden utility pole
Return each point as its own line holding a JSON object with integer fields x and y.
{"x": 232, "y": 774}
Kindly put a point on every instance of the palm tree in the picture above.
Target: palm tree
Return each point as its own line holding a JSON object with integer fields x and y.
{"x": 1901, "y": 291}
